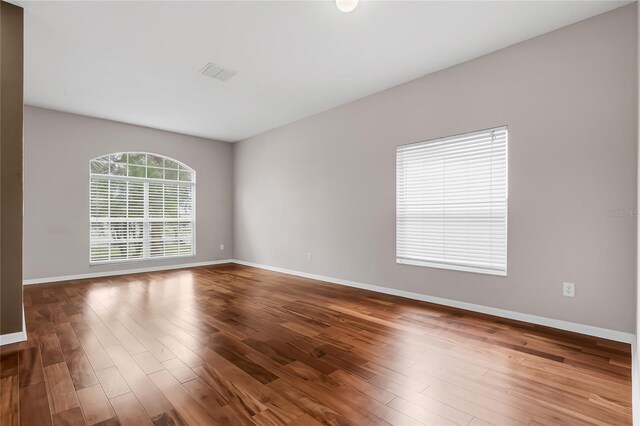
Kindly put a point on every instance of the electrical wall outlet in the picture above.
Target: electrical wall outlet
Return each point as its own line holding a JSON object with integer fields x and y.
{"x": 309, "y": 257}
{"x": 568, "y": 289}
{"x": 221, "y": 246}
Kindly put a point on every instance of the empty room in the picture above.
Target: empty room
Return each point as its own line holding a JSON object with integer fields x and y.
{"x": 331, "y": 212}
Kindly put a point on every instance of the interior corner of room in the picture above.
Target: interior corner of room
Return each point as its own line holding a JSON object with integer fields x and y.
{"x": 439, "y": 234}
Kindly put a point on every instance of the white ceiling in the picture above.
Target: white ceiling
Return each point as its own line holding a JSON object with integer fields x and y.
{"x": 138, "y": 62}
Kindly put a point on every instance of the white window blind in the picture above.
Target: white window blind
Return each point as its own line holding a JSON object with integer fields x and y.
{"x": 451, "y": 206}
{"x": 141, "y": 207}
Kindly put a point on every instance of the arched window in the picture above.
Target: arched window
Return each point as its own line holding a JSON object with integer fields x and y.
{"x": 142, "y": 206}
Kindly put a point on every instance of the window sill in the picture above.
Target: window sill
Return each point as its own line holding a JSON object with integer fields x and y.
{"x": 451, "y": 267}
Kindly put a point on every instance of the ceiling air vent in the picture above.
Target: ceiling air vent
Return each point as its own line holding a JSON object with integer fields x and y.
{"x": 217, "y": 72}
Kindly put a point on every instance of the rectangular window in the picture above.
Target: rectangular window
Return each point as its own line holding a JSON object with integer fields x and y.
{"x": 137, "y": 215}
{"x": 451, "y": 205}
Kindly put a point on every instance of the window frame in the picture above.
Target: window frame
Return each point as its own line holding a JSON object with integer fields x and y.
{"x": 145, "y": 220}
{"x": 456, "y": 266}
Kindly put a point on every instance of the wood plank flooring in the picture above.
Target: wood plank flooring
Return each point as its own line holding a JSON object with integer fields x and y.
{"x": 236, "y": 345}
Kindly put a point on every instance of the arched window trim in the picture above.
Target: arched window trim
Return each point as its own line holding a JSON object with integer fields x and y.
{"x": 135, "y": 214}
{"x": 108, "y": 157}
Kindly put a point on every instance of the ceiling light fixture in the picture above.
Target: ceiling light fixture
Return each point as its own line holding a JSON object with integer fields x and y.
{"x": 346, "y": 5}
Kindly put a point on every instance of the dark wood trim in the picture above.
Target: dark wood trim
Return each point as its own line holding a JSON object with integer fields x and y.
{"x": 11, "y": 116}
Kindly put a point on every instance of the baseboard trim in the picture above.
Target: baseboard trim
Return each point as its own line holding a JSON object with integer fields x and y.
{"x": 121, "y": 272}
{"x": 19, "y": 336}
{"x": 619, "y": 336}
{"x": 604, "y": 333}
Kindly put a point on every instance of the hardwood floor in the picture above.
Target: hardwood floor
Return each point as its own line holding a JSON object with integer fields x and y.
{"x": 236, "y": 345}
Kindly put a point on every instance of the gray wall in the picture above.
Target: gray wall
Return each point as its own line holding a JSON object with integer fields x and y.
{"x": 58, "y": 147}
{"x": 326, "y": 184}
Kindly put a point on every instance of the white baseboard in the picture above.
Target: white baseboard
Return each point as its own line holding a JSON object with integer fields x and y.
{"x": 604, "y": 333}
{"x": 121, "y": 272}
{"x": 20, "y": 336}
{"x": 590, "y": 330}
{"x": 619, "y": 336}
